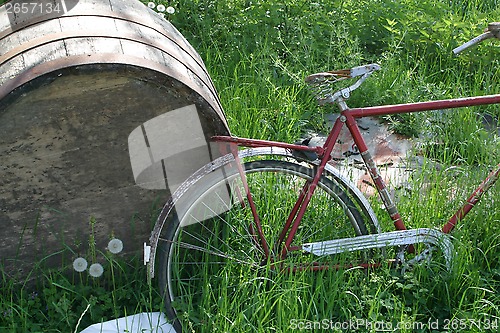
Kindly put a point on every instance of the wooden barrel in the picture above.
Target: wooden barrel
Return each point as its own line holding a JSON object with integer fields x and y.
{"x": 74, "y": 90}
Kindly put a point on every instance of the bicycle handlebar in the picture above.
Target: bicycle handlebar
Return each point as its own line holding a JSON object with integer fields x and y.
{"x": 493, "y": 31}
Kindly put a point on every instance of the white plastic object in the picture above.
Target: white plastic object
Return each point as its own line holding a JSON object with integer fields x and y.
{"x": 146, "y": 322}
{"x": 147, "y": 253}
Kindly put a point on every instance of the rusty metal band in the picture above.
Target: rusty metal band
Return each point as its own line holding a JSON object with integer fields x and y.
{"x": 139, "y": 20}
{"x": 109, "y": 14}
{"x": 120, "y": 36}
{"x": 61, "y": 36}
{"x": 103, "y": 58}
{"x": 134, "y": 19}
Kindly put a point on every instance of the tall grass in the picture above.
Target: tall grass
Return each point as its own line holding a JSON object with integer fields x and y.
{"x": 67, "y": 301}
{"x": 258, "y": 54}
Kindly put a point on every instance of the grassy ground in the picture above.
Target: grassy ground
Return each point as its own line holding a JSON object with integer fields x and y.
{"x": 258, "y": 54}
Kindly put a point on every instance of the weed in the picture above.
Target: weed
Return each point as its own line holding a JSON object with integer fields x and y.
{"x": 258, "y": 53}
{"x": 68, "y": 299}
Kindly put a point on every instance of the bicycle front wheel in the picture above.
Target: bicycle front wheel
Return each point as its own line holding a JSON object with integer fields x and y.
{"x": 213, "y": 270}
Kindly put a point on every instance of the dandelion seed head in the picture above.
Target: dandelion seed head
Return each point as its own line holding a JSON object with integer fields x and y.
{"x": 80, "y": 264}
{"x": 162, "y": 15}
{"x": 160, "y": 8}
{"x": 115, "y": 246}
{"x": 96, "y": 270}
{"x": 151, "y": 4}
{"x": 170, "y": 10}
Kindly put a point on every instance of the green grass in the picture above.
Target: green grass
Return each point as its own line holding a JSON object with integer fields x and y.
{"x": 64, "y": 300}
{"x": 258, "y": 54}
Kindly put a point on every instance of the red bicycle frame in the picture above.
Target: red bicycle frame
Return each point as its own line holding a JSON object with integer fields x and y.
{"x": 348, "y": 117}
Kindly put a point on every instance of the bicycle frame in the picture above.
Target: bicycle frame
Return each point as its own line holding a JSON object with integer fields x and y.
{"x": 348, "y": 117}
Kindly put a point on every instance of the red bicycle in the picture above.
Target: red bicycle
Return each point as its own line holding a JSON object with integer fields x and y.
{"x": 282, "y": 209}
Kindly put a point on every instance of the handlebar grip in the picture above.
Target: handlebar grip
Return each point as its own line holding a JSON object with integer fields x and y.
{"x": 494, "y": 28}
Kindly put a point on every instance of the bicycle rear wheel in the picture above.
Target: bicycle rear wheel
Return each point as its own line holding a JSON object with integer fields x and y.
{"x": 213, "y": 271}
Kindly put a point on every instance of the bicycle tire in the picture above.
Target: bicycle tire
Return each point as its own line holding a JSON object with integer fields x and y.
{"x": 207, "y": 258}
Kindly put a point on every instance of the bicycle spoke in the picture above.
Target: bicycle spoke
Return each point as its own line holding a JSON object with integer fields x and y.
{"x": 213, "y": 248}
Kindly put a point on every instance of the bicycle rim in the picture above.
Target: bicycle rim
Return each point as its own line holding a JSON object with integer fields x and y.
{"x": 212, "y": 269}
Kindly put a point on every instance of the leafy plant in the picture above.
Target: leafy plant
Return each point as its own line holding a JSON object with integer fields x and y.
{"x": 258, "y": 53}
